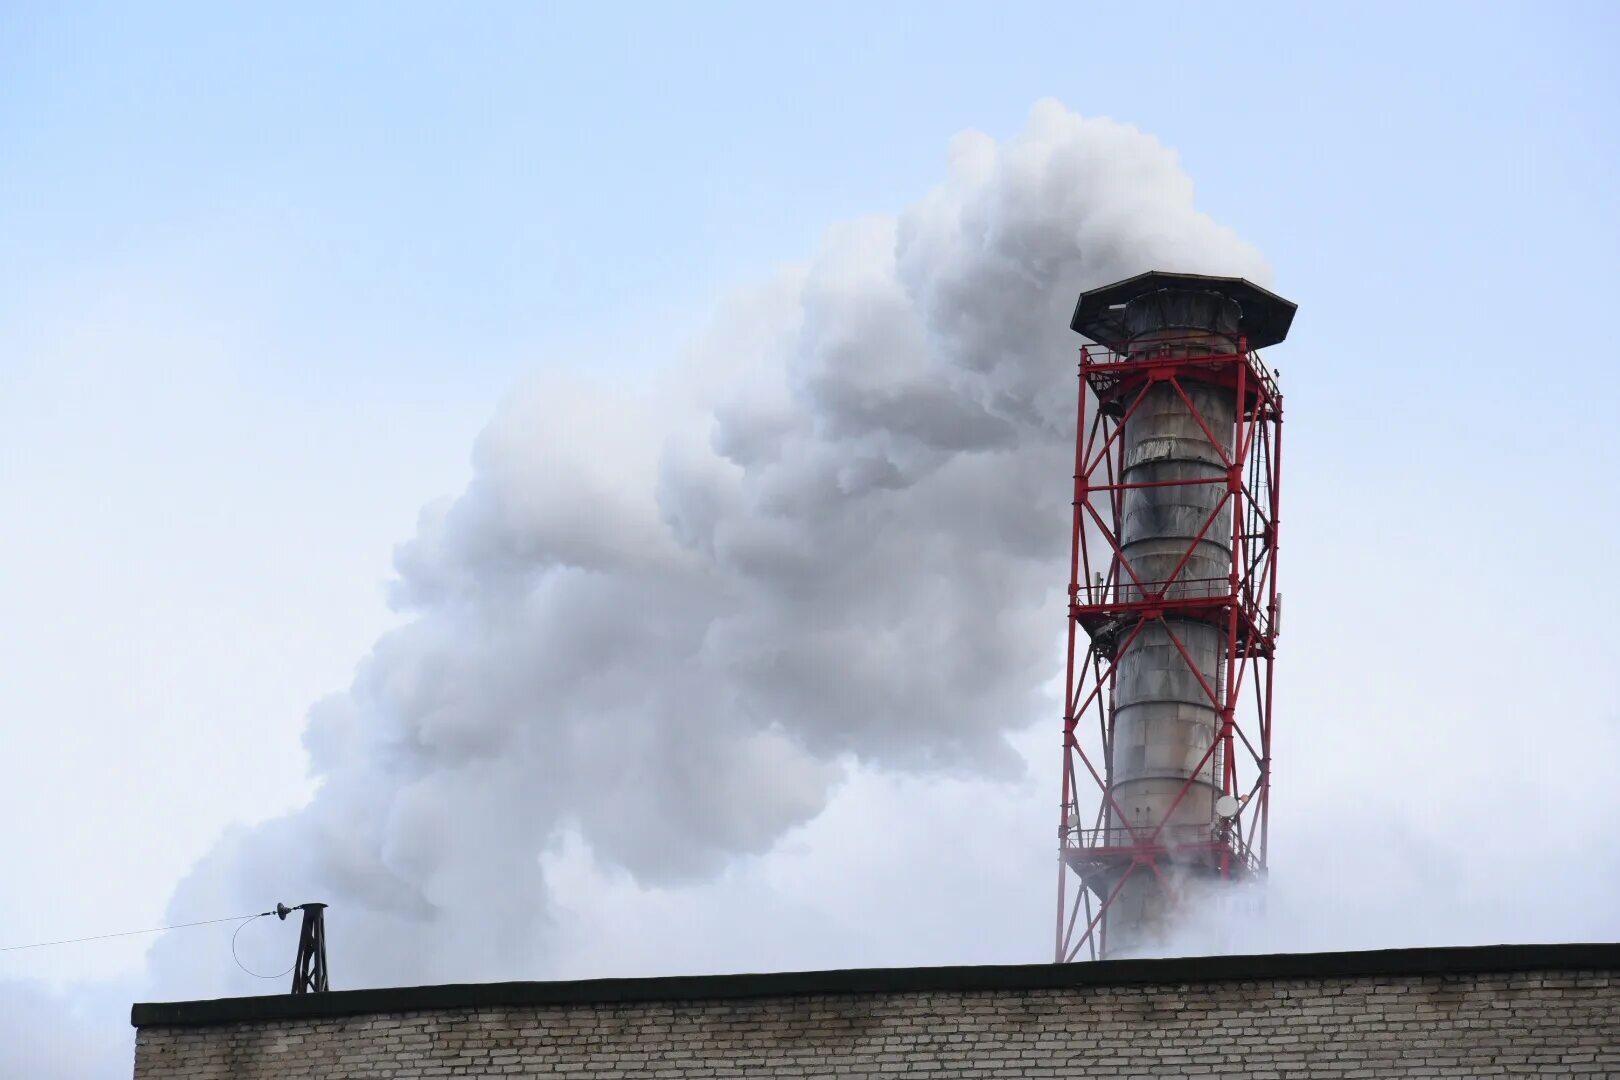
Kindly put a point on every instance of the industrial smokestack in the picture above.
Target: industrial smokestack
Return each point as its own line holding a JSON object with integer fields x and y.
{"x": 1175, "y": 487}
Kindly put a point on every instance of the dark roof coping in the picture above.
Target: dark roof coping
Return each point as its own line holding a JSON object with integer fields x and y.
{"x": 1602, "y": 956}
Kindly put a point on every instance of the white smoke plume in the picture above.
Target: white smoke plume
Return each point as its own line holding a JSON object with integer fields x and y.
{"x": 664, "y": 621}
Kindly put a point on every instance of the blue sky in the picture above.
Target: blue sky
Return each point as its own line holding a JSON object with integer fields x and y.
{"x": 389, "y": 180}
{"x": 268, "y": 272}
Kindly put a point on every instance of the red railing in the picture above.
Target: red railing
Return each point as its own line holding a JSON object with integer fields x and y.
{"x": 1169, "y": 837}
{"x": 1109, "y": 593}
{"x": 1195, "y": 348}
{"x": 1106, "y": 595}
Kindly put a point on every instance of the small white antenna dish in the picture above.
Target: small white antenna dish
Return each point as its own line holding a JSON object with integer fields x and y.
{"x": 1074, "y": 821}
{"x": 1226, "y": 807}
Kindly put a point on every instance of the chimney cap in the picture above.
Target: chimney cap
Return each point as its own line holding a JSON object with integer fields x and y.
{"x": 1100, "y": 313}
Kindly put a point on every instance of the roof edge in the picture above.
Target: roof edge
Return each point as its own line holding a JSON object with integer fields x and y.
{"x": 1457, "y": 960}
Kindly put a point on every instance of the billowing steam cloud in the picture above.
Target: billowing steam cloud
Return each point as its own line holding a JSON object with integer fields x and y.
{"x": 666, "y": 622}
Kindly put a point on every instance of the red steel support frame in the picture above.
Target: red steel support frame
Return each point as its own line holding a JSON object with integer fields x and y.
{"x": 1109, "y": 604}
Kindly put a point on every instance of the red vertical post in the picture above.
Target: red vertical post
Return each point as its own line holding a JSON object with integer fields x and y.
{"x": 1076, "y": 548}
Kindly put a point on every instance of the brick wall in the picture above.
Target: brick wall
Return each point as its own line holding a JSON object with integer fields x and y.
{"x": 1233, "y": 1016}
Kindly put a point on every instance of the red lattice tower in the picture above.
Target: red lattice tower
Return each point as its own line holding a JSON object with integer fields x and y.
{"x": 1173, "y": 611}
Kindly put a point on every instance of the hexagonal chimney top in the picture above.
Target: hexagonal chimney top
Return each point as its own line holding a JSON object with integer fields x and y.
{"x": 1263, "y": 316}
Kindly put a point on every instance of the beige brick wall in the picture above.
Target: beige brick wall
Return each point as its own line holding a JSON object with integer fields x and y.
{"x": 1545, "y": 1024}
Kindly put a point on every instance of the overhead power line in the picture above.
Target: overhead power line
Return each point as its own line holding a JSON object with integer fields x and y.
{"x": 134, "y": 933}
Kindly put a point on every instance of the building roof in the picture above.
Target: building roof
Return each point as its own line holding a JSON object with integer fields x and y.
{"x": 987, "y": 978}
